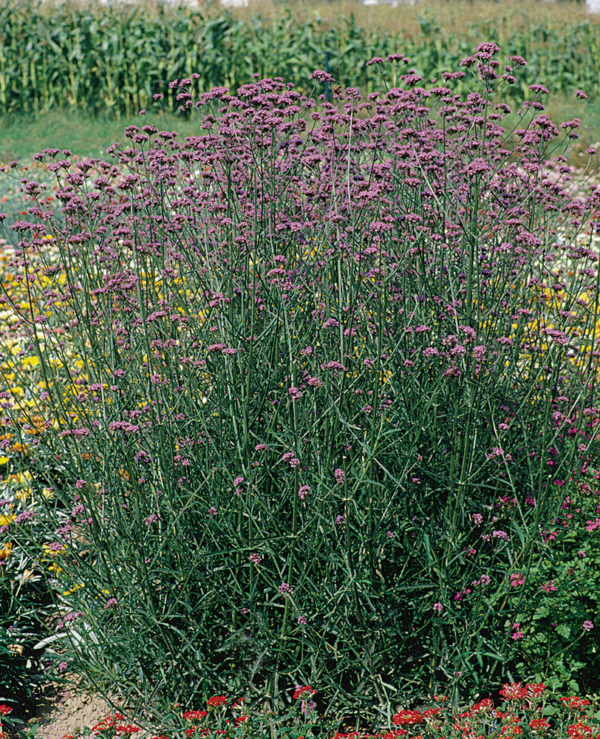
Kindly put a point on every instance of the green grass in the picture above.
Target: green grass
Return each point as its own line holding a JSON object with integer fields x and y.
{"x": 22, "y": 137}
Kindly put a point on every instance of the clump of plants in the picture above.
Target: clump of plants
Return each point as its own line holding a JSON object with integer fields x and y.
{"x": 316, "y": 385}
{"x": 529, "y": 710}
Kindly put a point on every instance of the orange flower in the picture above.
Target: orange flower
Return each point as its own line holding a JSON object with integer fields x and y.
{"x": 5, "y": 551}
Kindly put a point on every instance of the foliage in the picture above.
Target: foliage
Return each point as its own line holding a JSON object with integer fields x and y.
{"x": 279, "y": 375}
{"x": 114, "y": 59}
{"x": 22, "y": 607}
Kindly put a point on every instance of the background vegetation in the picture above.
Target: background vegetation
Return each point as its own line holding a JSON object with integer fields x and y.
{"x": 69, "y": 71}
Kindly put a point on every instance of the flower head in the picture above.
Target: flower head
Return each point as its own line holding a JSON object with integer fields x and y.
{"x": 194, "y": 715}
{"x": 216, "y": 701}
{"x": 408, "y": 718}
{"x": 514, "y": 691}
{"x": 303, "y": 691}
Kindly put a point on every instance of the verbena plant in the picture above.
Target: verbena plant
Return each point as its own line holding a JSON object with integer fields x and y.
{"x": 290, "y": 368}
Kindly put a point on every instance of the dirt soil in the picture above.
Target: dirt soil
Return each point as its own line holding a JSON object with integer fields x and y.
{"x": 63, "y": 709}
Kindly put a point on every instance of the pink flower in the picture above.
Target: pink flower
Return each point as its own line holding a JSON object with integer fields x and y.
{"x": 303, "y": 491}
{"x": 517, "y": 633}
{"x": 340, "y": 475}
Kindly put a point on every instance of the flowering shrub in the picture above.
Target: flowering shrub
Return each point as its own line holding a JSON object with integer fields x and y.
{"x": 314, "y": 383}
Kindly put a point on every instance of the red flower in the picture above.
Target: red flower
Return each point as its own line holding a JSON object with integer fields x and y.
{"x": 127, "y": 729}
{"x": 539, "y": 724}
{"x": 407, "y": 717}
{"x": 535, "y": 690}
{"x": 303, "y": 689}
{"x": 485, "y": 705}
{"x": 191, "y": 715}
{"x": 574, "y": 701}
{"x": 431, "y": 713}
{"x": 241, "y": 719}
{"x": 104, "y": 725}
{"x": 217, "y": 700}
{"x": 579, "y": 729}
{"x": 514, "y": 691}
{"x": 191, "y": 731}
{"x": 5, "y": 710}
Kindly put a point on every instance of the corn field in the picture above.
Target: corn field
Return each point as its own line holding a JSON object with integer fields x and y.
{"x": 112, "y": 60}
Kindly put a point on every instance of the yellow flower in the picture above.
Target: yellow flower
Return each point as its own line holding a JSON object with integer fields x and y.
{"x": 28, "y": 362}
{"x": 23, "y": 477}
{"x": 7, "y": 520}
{"x": 5, "y": 551}
{"x": 74, "y": 589}
{"x": 23, "y": 494}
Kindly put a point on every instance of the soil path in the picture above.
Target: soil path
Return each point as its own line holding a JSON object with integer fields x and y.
{"x": 63, "y": 710}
